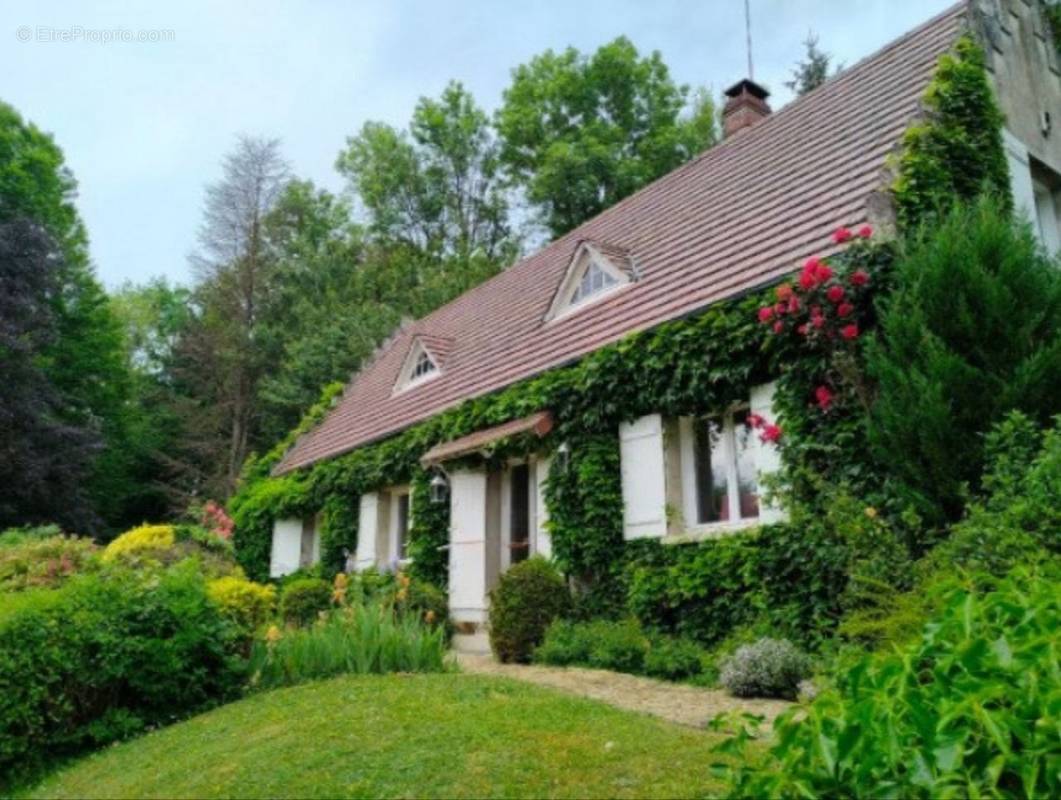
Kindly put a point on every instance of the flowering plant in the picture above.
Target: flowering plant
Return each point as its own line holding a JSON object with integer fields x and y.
{"x": 217, "y": 521}
{"x": 826, "y": 309}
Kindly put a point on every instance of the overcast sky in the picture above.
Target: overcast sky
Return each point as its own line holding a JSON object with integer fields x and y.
{"x": 144, "y": 125}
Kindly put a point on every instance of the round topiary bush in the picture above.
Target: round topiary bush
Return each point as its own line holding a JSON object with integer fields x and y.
{"x": 302, "y": 600}
{"x": 767, "y": 668}
{"x": 526, "y": 600}
{"x": 245, "y": 602}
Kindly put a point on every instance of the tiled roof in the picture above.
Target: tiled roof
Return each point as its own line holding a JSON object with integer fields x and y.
{"x": 744, "y": 213}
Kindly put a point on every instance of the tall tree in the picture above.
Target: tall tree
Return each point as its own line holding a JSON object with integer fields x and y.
{"x": 44, "y": 461}
{"x": 813, "y": 69}
{"x": 579, "y": 133}
{"x": 235, "y": 272}
{"x": 84, "y": 360}
{"x": 436, "y": 187}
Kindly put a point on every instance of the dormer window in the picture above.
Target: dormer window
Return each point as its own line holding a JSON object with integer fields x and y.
{"x": 595, "y": 271}
{"x": 421, "y": 365}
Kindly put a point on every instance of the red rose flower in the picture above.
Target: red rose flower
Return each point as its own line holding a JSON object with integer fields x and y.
{"x": 779, "y": 326}
{"x": 824, "y": 396}
{"x": 784, "y": 291}
{"x": 842, "y": 235}
{"x": 865, "y": 231}
{"x": 793, "y": 304}
{"x": 859, "y": 277}
{"x": 825, "y": 272}
{"x": 835, "y": 294}
{"x": 845, "y": 309}
{"x": 780, "y": 308}
{"x": 807, "y": 280}
{"x": 849, "y": 331}
{"x": 802, "y": 329}
{"x": 766, "y": 313}
{"x": 771, "y": 433}
{"x": 755, "y": 421}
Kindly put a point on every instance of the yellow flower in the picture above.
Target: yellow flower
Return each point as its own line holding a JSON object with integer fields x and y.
{"x": 273, "y": 635}
{"x": 871, "y": 512}
{"x": 404, "y": 580}
{"x": 429, "y": 617}
{"x": 341, "y": 581}
{"x": 402, "y": 594}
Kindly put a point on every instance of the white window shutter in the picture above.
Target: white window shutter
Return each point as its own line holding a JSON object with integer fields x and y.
{"x": 644, "y": 487}
{"x": 1020, "y": 176}
{"x": 287, "y": 547}
{"x": 367, "y": 530}
{"x": 767, "y": 457}
{"x": 544, "y": 545}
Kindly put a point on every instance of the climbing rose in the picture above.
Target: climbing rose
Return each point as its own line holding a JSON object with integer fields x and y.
{"x": 845, "y": 309}
{"x": 816, "y": 318}
{"x": 842, "y": 235}
{"x": 755, "y": 421}
{"x": 824, "y": 396}
{"x": 808, "y": 278}
{"x": 784, "y": 292}
{"x": 859, "y": 277}
{"x": 835, "y": 294}
{"x": 802, "y": 329}
{"x": 825, "y": 272}
{"x": 849, "y": 331}
{"x": 771, "y": 433}
{"x": 793, "y": 304}
{"x": 779, "y": 326}
{"x": 865, "y": 231}
{"x": 766, "y": 313}
{"x": 780, "y": 308}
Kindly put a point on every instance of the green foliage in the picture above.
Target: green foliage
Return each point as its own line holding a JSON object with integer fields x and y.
{"x": 30, "y": 562}
{"x": 813, "y": 70}
{"x": 526, "y": 599}
{"x": 106, "y": 655}
{"x": 957, "y": 153}
{"x": 765, "y": 668}
{"x": 302, "y": 601}
{"x": 580, "y": 133}
{"x": 972, "y": 331}
{"x": 429, "y": 533}
{"x": 623, "y": 646}
{"x": 151, "y": 545}
{"x": 973, "y": 703}
{"x": 250, "y": 605}
{"x": 697, "y": 591}
{"x": 362, "y": 638}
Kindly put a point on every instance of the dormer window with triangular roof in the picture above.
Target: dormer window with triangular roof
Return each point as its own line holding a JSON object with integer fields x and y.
{"x": 595, "y": 271}
{"x": 420, "y": 366}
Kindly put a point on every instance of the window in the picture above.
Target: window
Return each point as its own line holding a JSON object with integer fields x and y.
{"x": 423, "y": 366}
{"x": 400, "y": 507}
{"x": 725, "y": 488}
{"x": 1046, "y": 215}
{"x": 594, "y": 281}
{"x": 309, "y": 546}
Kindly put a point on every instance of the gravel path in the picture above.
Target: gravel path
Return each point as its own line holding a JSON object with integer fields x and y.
{"x": 680, "y": 703}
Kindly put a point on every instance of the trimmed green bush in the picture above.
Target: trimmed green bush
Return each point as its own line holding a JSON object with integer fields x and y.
{"x": 245, "y": 602}
{"x": 767, "y": 668}
{"x": 967, "y": 710}
{"x": 526, "y": 599}
{"x": 303, "y": 600}
{"x": 107, "y": 655}
{"x": 361, "y": 638}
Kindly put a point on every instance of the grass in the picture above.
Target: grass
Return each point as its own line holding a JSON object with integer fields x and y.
{"x": 445, "y": 735}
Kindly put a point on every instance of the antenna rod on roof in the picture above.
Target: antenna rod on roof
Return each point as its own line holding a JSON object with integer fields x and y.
{"x": 748, "y": 35}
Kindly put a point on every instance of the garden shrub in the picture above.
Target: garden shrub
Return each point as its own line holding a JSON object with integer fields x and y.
{"x": 767, "y": 668}
{"x": 362, "y": 637}
{"x": 303, "y": 600}
{"x": 420, "y": 599}
{"x": 106, "y": 655}
{"x": 245, "y": 602}
{"x": 972, "y": 331}
{"x": 150, "y": 545}
{"x": 672, "y": 659}
{"x": 967, "y": 710}
{"x": 10, "y": 537}
{"x": 526, "y": 599}
{"x": 146, "y": 540}
{"x": 32, "y": 562}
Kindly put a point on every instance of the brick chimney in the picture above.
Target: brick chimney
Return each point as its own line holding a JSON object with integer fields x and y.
{"x": 745, "y": 106}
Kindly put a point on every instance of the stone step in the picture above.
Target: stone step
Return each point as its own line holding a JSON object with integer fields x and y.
{"x": 476, "y": 643}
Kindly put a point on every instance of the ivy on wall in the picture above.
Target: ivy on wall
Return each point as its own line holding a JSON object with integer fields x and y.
{"x": 690, "y": 366}
{"x": 957, "y": 151}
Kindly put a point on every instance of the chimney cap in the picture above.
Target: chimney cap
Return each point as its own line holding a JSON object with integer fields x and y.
{"x": 746, "y": 85}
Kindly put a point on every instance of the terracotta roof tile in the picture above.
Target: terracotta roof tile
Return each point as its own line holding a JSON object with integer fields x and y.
{"x": 744, "y": 213}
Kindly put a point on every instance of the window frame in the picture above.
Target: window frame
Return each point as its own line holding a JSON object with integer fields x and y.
{"x": 507, "y": 510}
{"x": 407, "y": 378}
{"x": 689, "y": 485}
{"x": 396, "y": 537}
{"x": 585, "y": 259}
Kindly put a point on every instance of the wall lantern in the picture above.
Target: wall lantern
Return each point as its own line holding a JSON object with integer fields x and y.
{"x": 563, "y": 456}
{"x": 439, "y": 488}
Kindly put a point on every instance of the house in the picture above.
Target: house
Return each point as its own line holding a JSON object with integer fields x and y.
{"x": 735, "y": 219}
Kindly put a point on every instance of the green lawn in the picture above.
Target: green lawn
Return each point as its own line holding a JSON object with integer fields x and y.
{"x": 445, "y": 735}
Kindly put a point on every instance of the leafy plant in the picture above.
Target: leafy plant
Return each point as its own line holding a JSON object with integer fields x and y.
{"x": 303, "y": 600}
{"x": 526, "y": 599}
{"x": 245, "y": 602}
{"x": 360, "y": 638}
{"x": 767, "y": 668}
{"x": 969, "y": 709}
{"x": 30, "y": 562}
